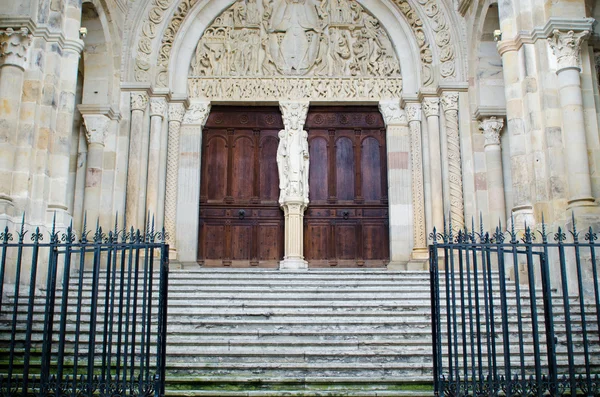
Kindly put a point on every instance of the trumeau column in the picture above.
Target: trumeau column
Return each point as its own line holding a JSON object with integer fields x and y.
{"x": 13, "y": 48}
{"x": 399, "y": 186}
{"x": 566, "y": 46}
{"x": 96, "y": 127}
{"x": 139, "y": 101}
{"x": 186, "y": 169}
{"x": 491, "y": 128}
{"x": 413, "y": 113}
{"x": 176, "y": 112}
{"x": 431, "y": 110}
{"x": 455, "y": 182}
{"x": 293, "y": 166}
{"x": 158, "y": 106}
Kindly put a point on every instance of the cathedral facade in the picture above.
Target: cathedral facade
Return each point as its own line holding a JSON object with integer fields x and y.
{"x": 299, "y": 133}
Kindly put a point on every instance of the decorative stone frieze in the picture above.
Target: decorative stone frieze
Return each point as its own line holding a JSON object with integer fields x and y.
{"x": 158, "y": 106}
{"x": 139, "y": 101}
{"x": 491, "y": 128}
{"x": 566, "y": 46}
{"x": 13, "y": 46}
{"x": 392, "y": 113}
{"x": 450, "y": 105}
{"x": 292, "y": 153}
{"x": 96, "y": 127}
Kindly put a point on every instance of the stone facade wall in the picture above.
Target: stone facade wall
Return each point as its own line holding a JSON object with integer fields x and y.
{"x": 104, "y": 153}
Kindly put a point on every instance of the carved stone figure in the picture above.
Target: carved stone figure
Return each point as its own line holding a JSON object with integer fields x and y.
{"x": 292, "y": 153}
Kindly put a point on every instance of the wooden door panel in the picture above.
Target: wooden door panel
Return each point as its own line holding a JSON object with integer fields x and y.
{"x": 346, "y": 223}
{"x": 241, "y": 222}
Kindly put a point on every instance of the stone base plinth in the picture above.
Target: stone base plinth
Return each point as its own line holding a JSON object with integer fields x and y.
{"x": 293, "y": 264}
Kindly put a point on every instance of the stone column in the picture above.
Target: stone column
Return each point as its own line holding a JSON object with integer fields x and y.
{"x": 139, "y": 101}
{"x": 399, "y": 187}
{"x": 176, "y": 112}
{"x": 13, "y": 47}
{"x": 491, "y": 128}
{"x": 293, "y": 166}
{"x": 96, "y": 127}
{"x": 420, "y": 251}
{"x": 566, "y": 46}
{"x": 431, "y": 109}
{"x": 158, "y": 107}
{"x": 455, "y": 182}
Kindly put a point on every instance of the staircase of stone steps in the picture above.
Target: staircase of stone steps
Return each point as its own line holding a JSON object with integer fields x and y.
{"x": 317, "y": 333}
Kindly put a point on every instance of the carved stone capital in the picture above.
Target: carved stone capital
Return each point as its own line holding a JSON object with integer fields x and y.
{"x": 431, "y": 107}
{"x": 450, "y": 101}
{"x": 176, "y": 111}
{"x": 491, "y": 127}
{"x": 294, "y": 114}
{"x": 13, "y": 46}
{"x": 139, "y": 101}
{"x": 392, "y": 113}
{"x": 158, "y": 107}
{"x": 566, "y": 46}
{"x": 413, "y": 111}
{"x": 96, "y": 127}
{"x": 197, "y": 113}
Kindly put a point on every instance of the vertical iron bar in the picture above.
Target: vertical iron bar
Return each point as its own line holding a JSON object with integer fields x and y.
{"x": 106, "y": 348}
{"x": 591, "y": 237}
{"x": 515, "y": 257}
{"x": 13, "y": 333}
{"x": 468, "y": 249}
{"x": 504, "y": 310}
{"x": 64, "y": 304}
{"x": 548, "y": 313}
{"x": 162, "y": 316}
{"x": 111, "y": 314}
{"x": 584, "y": 331}
{"x": 5, "y": 237}
{"x": 149, "y": 315}
{"x": 30, "y": 309}
{"x": 477, "y": 315}
{"x": 82, "y": 253}
{"x": 94, "y": 307}
{"x": 533, "y": 307}
{"x": 567, "y": 311}
{"x": 128, "y": 309}
{"x": 134, "y": 311}
{"x": 463, "y": 311}
{"x": 489, "y": 318}
{"x": 121, "y": 301}
{"x": 435, "y": 315}
{"x": 143, "y": 318}
{"x": 50, "y": 302}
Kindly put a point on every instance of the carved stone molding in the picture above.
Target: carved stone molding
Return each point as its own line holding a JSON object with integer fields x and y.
{"x": 158, "y": 106}
{"x": 431, "y": 107}
{"x": 197, "y": 113}
{"x": 392, "y": 113}
{"x": 450, "y": 105}
{"x": 491, "y": 127}
{"x": 294, "y": 88}
{"x": 566, "y": 46}
{"x": 176, "y": 112}
{"x": 413, "y": 111}
{"x": 293, "y": 154}
{"x": 96, "y": 127}
{"x": 139, "y": 101}
{"x": 13, "y": 46}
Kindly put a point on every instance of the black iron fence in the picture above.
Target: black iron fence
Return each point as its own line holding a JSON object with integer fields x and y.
{"x": 83, "y": 315}
{"x": 515, "y": 313}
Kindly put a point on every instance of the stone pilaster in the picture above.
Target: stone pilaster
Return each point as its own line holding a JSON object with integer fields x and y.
{"x": 158, "y": 107}
{"x": 431, "y": 110}
{"x": 96, "y": 127}
{"x": 399, "y": 184}
{"x": 455, "y": 185}
{"x": 13, "y": 48}
{"x": 566, "y": 46}
{"x": 413, "y": 113}
{"x": 139, "y": 102}
{"x": 293, "y": 167}
{"x": 491, "y": 127}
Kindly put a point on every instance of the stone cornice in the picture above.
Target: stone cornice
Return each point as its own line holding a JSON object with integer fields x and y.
{"x": 489, "y": 111}
{"x": 544, "y": 32}
{"x": 106, "y": 110}
{"x": 43, "y": 31}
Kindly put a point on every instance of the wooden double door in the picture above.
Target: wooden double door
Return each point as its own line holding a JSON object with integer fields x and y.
{"x": 346, "y": 223}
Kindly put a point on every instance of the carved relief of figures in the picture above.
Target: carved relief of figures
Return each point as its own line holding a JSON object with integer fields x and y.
{"x": 295, "y": 38}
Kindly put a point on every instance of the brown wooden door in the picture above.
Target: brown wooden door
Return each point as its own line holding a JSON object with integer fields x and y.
{"x": 346, "y": 223}
{"x": 241, "y": 224}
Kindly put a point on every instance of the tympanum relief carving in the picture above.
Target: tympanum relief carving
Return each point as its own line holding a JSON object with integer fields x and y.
{"x": 319, "y": 44}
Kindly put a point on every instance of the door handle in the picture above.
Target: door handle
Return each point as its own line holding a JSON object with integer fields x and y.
{"x": 241, "y": 214}
{"x": 346, "y": 214}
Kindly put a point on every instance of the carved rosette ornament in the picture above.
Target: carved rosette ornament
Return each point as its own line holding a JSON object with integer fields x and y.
{"x": 566, "y": 46}
{"x": 392, "y": 113}
{"x": 13, "y": 46}
{"x": 450, "y": 105}
{"x": 491, "y": 128}
{"x": 158, "y": 106}
{"x": 413, "y": 112}
{"x": 96, "y": 127}
{"x": 293, "y": 154}
{"x": 139, "y": 101}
